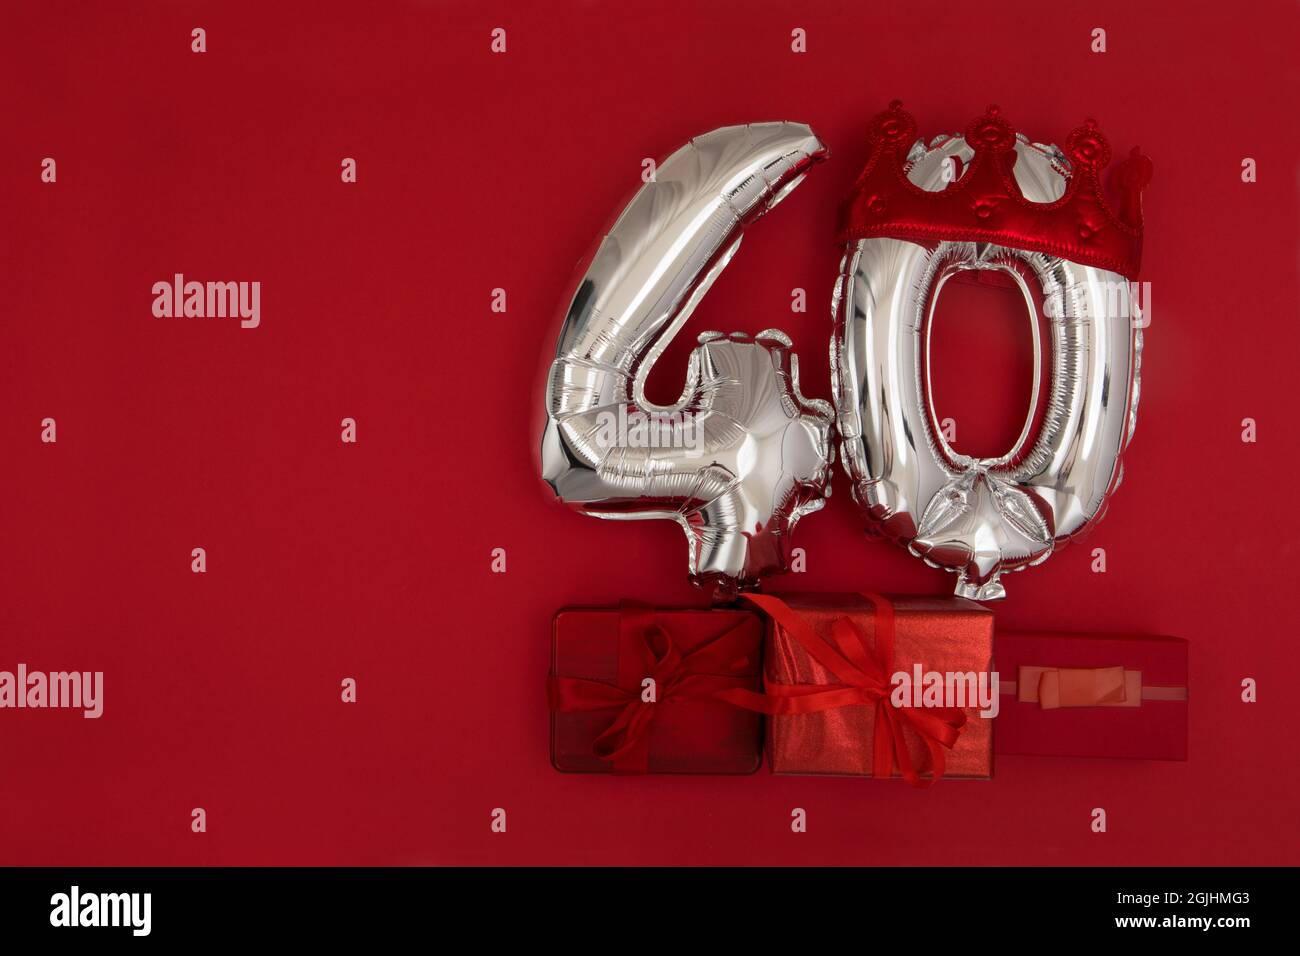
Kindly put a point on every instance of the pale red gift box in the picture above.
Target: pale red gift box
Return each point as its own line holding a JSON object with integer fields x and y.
{"x": 942, "y": 635}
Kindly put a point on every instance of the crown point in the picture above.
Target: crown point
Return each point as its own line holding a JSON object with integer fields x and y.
{"x": 991, "y": 132}
{"x": 894, "y": 127}
{"x": 1136, "y": 171}
{"x": 1088, "y": 147}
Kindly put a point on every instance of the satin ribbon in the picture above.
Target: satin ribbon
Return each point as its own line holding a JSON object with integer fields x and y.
{"x": 864, "y": 671}
{"x": 1053, "y": 687}
{"x": 646, "y": 649}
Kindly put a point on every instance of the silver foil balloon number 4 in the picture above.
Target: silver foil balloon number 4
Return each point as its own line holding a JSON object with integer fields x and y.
{"x": 742, "y": 455}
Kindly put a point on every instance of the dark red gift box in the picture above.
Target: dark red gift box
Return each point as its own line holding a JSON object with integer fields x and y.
{"x": 1092, "y": 695}
{"x": 601, "y": 660}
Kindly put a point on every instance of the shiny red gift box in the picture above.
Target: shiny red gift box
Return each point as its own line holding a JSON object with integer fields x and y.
{"x": 830, "y": 662}
{"x": 602, "y": 717}
{"x": 1092, "y": 695}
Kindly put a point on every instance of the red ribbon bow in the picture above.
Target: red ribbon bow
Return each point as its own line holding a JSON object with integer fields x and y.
{"x": 647, "y": 650}
{"x": 865, "y": 674}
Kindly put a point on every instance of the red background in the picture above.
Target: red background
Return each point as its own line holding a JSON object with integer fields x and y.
{"x": 478, "y": 171}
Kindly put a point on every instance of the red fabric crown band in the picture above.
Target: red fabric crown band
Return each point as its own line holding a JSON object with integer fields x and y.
{"x": 984, "y": 203}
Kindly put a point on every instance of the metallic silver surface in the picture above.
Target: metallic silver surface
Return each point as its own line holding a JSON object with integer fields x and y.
{"x": 981, "y": 517}
{"x": 742, "y": 455}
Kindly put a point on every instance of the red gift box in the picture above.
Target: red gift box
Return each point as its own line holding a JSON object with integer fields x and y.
{"x": 830, "y": 684}
{"x": 607, "y": 718}
{"x": 1092, "y": 695}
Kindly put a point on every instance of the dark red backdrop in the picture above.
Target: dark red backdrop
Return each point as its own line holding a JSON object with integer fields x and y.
{"x": 371, "y": 560}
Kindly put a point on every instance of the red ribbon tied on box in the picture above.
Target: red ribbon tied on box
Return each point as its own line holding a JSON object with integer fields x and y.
{"x": 646, "y": 650}
{"x": 865, "y": 672}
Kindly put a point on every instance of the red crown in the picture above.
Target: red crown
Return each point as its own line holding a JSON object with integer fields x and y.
{"x": 985, "y": 205}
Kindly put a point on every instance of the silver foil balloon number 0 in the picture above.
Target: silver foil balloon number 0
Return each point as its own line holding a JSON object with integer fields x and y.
{"x": 742, "y": 455}
{"x": 981, "y": 517}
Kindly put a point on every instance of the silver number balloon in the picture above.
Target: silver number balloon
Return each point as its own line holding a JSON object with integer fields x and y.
{"x": 981, "y": 517}
{"x": 742, "y": 455}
